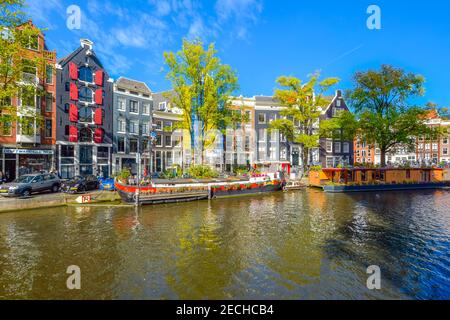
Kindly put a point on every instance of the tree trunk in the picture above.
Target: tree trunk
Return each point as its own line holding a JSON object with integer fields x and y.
{"x": 383, "y": 158}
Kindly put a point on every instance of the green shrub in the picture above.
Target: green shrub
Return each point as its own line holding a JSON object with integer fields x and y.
{"x": 240, "y": 170}
{"x": 202, "y": 172}
{"x": 123, "y": 175}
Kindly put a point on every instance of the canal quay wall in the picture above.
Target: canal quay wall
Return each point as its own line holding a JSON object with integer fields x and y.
{"x": 53, "y": 200}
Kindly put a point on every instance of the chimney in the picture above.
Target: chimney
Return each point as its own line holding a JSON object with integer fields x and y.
{"x": 339, "y": 93}
{"x": 86, "y": 43}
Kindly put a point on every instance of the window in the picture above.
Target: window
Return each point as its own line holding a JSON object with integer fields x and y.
{"x": 48, "y": 74}
{"x": 133, "y": 145}
{"x": 85, "y": 74}
{"x": 134, "y": 106}
{"x": 146, "y": 108}
{"x": 27, "y": 129}
{"x": 5, "y": 127}
{"x": 445, "y": 151}
{"x": 121, "y": 104}
{"x": 159, "y": 125}
{"x": 262, "y": 133}
{"x": 85, "y": 94}
{"x": 33, "y": 42}
{"x": 67, "y": 151}
{"x": 337, "y": 112}
{"x": 145, "y": 128}
{"x": 168, "y": 141}
{"x": 85, "y": 115}
{"x": 445, "y": 141}
{"x": 121, "y": 144}
{"x": 167, "y": 125}
{"x": 346, "y": 147}
{"x": 48, "y": 128}
{"x": 329, "y": 146}
{"x": 329, "y": 162}
{"x": 48, "y": 102}
{"x": 86, "y": 154}
{"x": 134, "y": 127}
{"x": 159, "y": 140}
{"x": 121, "y": 125}
{"x": 85, "y": 135}
{"x": 67, "y": 86}
{"x": 337, "y": 147}
{"x": 338, "y": 102}
{"x": 261, "y": 118}
{"x": 162, "y": 106}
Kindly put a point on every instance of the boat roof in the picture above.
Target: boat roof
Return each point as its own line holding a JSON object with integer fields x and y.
{"x": 375, "y": 169}
{"x": 190, "y": 181}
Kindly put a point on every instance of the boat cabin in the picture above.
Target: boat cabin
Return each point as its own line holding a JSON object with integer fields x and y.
{"x": 369, "y": 176}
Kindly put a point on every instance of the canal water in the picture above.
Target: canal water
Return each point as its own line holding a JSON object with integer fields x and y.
{"x": 298, "y": 245}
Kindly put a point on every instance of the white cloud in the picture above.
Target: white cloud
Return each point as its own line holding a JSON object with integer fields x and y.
{"x": 40, "y": 11}
{"x": 238, "y": 13}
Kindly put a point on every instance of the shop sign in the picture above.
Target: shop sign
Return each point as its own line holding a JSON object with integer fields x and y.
{"x": 28, "y": 151}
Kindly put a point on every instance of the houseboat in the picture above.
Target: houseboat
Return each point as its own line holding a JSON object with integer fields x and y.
{"x": 384, "y": 179}
{"x": 169, "y": 191}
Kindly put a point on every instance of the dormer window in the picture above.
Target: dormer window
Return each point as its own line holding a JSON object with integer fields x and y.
{"x": 162, "y": 106}
{"x": 85, "y": 74}
{"x": 338, "y": 102}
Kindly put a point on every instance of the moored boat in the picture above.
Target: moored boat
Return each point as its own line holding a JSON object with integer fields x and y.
{"x": 169, "y": 191}
{"x": 337, "y": 180}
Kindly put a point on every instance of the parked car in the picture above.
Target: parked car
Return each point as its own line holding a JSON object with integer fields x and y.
{"x": 80, "y": 184}
{"x": 30, "y": 183}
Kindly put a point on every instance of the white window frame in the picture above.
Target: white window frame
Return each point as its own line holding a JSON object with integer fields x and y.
{"x": 345, "y": 147}
{"x": 146, "y": 108}
{"x": 121, "y": 104}
{"x": 336, "y": 148}
{"x": 124, "y": 126}
{"x": 135, "y": 125}
{"x": 329, "y": 146}
{"x": 137, "y": 104}
{"x": 163, "y": 103}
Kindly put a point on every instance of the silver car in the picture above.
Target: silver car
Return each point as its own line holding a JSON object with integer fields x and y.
{"x": 30, "y": 183}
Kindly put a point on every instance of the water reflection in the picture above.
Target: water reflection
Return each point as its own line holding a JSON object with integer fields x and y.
{"x": 297, "y": 245}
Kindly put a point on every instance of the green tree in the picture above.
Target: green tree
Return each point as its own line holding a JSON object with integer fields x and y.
{"x": 202, "y": 86}
{"x": 304, "y": 103}
{"x": 16, "y": 37}
{"x": 380, "y": 101}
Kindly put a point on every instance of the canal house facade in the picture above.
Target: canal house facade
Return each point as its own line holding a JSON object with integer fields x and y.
{"x": 30, "y": 148}
{"x": 167, "y": 147}
{"x": 84, "y": 114}
{"x": 132, "y": 126}
{"x": 336, "y": 151}
{"x": 273, "y": 152}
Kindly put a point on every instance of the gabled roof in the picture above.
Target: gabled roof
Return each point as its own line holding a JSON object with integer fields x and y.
{"x": 133, "y": 85}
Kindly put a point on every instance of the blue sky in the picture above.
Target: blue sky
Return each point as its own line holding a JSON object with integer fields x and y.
{"x": 260, "y": 39}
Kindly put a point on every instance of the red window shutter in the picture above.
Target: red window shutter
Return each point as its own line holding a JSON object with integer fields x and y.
{"x": 73, "y": 113}
{"x": 73, "y": 134}
{"x": 98, "y": 135}
{"x": 99, "y": 96}
{"x": 73, "y": 71}
{"x": 73, "y": 92}
{"x": 98, "y": 116}
{"x": 99, "y": 77}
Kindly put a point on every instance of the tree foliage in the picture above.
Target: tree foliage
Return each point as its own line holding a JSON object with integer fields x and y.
{"x": 303, "y": 105}
{"x": 384, "y": 117}
{"x": 202, "y": 86}
{"x": 16, "y": 35}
